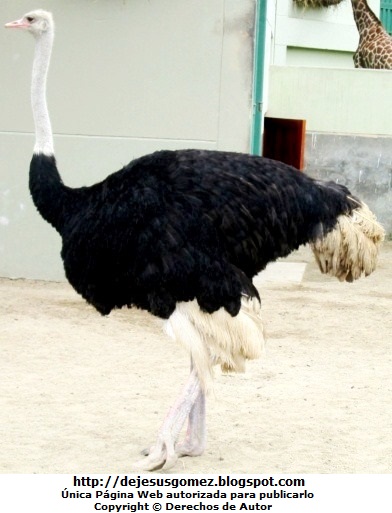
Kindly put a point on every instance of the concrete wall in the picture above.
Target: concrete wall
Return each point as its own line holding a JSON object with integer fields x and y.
{"x": 363, "y": 164}
{"x": 325, "y": 37}
{"x": 349, "y": 129}
{"x": 127, "y": 78}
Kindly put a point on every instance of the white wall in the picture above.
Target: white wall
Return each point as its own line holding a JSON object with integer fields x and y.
{"x": 269, "y": 48}
{"x": 127, "y": 78}
{"x": 325, "y": 37}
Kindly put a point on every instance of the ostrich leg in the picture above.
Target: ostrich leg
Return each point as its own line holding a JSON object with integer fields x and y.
{"x": 195, "y": 438}
{"x": 191, "y": 404}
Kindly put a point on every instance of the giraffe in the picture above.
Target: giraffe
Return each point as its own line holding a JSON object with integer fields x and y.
{"x": 375, "y": 44}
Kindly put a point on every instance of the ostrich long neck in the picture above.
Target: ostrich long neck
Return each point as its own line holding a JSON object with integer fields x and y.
{"x": 43, "y": 129}
{"x": 50, "y": 195}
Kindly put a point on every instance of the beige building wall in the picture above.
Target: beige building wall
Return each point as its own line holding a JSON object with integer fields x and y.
{"x": 127, "y": 78}
{"x": 349, "y": 129}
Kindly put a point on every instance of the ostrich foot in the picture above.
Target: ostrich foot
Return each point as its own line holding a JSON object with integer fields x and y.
{"x": 165, "y": 452}
{"x": 161, "y": 455}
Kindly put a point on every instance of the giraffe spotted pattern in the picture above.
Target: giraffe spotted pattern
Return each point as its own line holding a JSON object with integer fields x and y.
{"x": 375, "y": 44}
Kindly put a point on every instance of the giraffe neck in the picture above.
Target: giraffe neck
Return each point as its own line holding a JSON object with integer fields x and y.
{"x": 364, "y": 17}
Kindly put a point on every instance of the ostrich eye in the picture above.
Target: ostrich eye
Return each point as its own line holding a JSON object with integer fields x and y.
{"x": 30, "y": 19}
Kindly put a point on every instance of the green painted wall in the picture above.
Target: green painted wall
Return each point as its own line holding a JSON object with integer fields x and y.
{"x": 349, "y": 101}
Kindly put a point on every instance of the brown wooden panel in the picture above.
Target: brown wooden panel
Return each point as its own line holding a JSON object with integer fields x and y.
{"x": 284, "y": 140}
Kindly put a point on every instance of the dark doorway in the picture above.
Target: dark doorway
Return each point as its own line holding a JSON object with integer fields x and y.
{"x": 284, "y": 140}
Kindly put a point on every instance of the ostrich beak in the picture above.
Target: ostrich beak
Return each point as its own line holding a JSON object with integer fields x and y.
{"x": 22, "y": 23}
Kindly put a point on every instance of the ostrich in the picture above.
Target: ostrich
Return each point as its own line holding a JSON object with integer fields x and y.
{"x": 181, "y": 234}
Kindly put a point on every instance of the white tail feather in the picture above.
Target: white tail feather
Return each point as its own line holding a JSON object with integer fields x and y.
{"x": 351, "y": 248}
{"x": 218, "y": 338}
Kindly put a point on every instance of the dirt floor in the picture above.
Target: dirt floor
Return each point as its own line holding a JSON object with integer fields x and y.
{"x": 84, "y": 393}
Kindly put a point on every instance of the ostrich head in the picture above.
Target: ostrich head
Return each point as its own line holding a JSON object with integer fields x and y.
{"x": 36, "y": 22}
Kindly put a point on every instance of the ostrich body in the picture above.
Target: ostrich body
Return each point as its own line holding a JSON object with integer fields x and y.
{"x": 181, "y": 234}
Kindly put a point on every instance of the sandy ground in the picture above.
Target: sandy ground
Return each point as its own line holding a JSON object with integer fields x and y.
{"x": 84, "y": 393}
